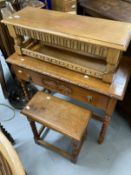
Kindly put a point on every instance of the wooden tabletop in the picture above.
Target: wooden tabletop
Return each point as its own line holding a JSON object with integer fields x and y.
{"x": 115, "y": 90}
{"x": 118, "y": 10}
{"x": 93, "y": 30}
{"x": 58, "y": 114}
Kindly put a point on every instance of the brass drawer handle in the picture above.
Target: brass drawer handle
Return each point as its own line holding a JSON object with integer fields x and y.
{"x": 89, "y": 98}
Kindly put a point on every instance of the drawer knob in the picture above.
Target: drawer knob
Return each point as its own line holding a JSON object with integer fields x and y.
{"x": 89, "y": 98}
{"x": 20, "y": 71}
{"x": 73, "y": 6}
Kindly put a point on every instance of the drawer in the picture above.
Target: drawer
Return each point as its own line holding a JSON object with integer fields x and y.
{"x": 93, "y": 98}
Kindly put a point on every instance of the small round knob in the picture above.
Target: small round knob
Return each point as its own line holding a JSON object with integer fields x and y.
{"x": 20, "y": 71}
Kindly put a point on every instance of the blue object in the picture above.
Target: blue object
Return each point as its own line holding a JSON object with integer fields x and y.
{"x": 48, "y": 3}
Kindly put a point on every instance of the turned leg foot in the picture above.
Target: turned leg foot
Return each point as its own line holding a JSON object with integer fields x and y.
{"x": 34, "y": 130}
{"x": 105, "y": 125}
{"x": 75, "y": 151}
{"x": 26, "y": 93}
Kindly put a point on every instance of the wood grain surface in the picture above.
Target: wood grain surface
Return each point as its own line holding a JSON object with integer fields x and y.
{"x": 118, "y": 10}
{"x": 58, "y": 114}
{"x": 97, "y": 31}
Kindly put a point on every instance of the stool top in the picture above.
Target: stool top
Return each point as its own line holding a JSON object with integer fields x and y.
{"x": 107, "y": 33}
{"x": 58, "y": 114}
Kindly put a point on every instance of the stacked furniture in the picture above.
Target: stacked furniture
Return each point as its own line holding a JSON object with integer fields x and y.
{"x": 80, "y": 57}
{"x": 93, "y": 48}
{"x": 61, "y": 116}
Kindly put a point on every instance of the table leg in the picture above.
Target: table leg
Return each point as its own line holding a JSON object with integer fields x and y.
{"x": 110, "y": 108}
{"x": 34, "y": 130}
{"x": 26, "y": 93}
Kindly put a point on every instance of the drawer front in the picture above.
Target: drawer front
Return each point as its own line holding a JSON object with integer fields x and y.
{"x": 65, "y": 88}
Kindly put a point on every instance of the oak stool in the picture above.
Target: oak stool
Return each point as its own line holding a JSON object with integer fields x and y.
{"x": 58, "y": 115}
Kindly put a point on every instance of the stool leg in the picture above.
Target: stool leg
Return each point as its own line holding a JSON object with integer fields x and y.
{"x": 75, "y": 151}
{"x": 85, "y": 135}
{"x": 76, "y": 147}
{"x": 34, "y": 130}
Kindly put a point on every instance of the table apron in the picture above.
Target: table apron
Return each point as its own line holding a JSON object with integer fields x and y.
{"x": 76, "y": 92}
